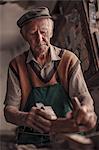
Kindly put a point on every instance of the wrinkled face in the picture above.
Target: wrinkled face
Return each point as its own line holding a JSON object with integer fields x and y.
{"x": 38, "y": 33}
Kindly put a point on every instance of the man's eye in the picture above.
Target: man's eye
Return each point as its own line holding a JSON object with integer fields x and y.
{"x": 32, "y": 33}
{"x": 43, "y": 33}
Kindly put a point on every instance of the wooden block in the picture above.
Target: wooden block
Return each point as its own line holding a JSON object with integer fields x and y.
{"x": 72, "y": 142}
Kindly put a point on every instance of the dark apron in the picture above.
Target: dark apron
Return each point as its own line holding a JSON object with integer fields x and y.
{"x": 51, "y": 95}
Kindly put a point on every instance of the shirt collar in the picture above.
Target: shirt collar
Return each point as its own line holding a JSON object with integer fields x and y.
{"x": 54, "y": 52}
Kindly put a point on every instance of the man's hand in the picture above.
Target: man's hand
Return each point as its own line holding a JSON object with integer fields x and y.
{"x": 83, "y": 115}
{"x": 39, "y": 120}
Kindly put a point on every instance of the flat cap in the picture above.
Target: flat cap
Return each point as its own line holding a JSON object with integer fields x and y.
{"x": 40, "y": 12}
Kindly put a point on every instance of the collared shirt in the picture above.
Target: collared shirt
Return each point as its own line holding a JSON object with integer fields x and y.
{"x": 44, "y": 71}
{"x": 77, "y": 84}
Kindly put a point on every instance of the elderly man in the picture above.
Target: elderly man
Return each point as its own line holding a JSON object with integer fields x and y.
{"x": 43, "y": 83}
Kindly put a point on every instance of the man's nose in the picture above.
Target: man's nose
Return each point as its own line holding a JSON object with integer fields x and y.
{"x": 39, "y": 36}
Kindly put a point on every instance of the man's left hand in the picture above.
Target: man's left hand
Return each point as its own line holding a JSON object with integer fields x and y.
{"x": 83, "y": 115}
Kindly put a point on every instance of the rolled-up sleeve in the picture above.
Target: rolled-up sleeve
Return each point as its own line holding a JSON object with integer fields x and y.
{"x": 13, "y": 92}
{"x": 78, "y": 87}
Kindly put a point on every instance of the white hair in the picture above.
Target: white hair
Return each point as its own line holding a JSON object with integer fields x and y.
{"x": 51, "y": 25}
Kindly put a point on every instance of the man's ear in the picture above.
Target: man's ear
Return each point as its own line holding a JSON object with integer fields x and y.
{"x": 23, "y": 34}
{"x": 51, "y": 28}
{"x": 51, "y": 34}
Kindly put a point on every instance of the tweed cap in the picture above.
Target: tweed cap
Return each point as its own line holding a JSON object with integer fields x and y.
{"x": 40, "y": 12}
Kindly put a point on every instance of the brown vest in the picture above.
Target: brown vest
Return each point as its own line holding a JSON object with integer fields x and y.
{"x": 24, "y": 75}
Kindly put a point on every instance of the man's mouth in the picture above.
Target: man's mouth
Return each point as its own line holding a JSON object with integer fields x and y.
{"x": 41, "y": 45}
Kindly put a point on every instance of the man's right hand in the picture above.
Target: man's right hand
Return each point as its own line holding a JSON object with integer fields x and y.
{"x": 38, "y": 119}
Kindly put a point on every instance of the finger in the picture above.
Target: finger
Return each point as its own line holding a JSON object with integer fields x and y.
{"x": 91, "y": 122}
{"x": 83, "y": 115}
{"x": 37, "y": 122}
{"x": 82, "y": 118}
{"x": 33, "y": 109}
{"x": 41, "y": 120}
{"x": 29, "y": 118}
{"x": 34, "y": 126}
{"x": 45, "y": 129}
{"x": 30, "y": 122}
{"x": 43, "y": 123}
{"x": 76, "y": 107}
{"x": 87, "y": 120}
{"x": 76, "y": 104}
{"x": 42, "y": 113}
